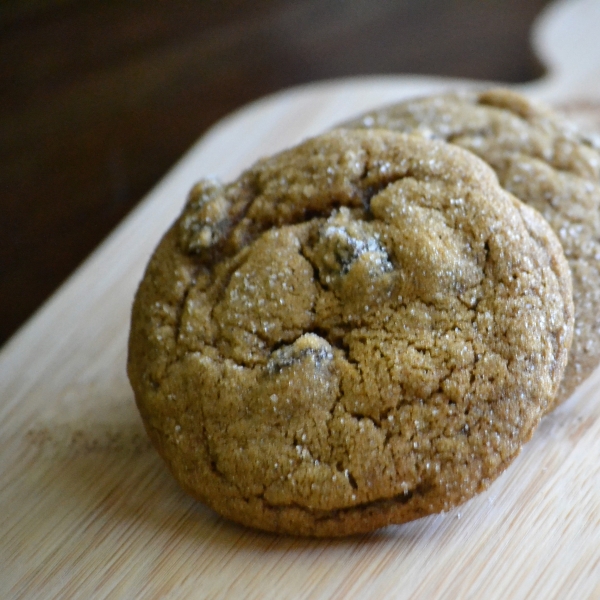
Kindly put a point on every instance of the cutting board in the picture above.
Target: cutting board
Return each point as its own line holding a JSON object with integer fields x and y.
{"x": 87, "y": 509}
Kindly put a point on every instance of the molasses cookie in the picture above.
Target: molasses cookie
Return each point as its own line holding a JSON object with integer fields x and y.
{"x": 362, "y": 330}
{"x": 545, "y": 162}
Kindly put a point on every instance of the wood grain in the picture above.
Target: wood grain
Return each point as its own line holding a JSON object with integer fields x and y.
{"x": 87, "y": 509}
{"x": 99, "y": 98}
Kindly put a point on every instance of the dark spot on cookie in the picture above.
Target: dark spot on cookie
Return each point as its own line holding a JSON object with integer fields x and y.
{"x": 309, "y": 347}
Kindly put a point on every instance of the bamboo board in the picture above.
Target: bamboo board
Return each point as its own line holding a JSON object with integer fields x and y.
{"x": 87, "y": 509}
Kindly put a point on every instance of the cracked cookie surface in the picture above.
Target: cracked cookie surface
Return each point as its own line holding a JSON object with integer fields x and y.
{"x": 359, "y": 331}
{"x": 544, "y": 161}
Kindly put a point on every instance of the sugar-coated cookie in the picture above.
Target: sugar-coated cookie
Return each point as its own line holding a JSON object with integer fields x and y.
{"x": 359, "y": 331}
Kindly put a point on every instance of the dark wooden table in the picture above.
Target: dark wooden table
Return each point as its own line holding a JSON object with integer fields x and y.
{"x": 99, "y": 98}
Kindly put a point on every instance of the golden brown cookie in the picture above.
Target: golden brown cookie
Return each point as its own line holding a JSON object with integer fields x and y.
{"x": 359, "y": 331}
{"x": 545, "y": 162}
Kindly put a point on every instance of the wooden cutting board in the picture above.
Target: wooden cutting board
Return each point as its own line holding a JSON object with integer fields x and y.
{"x": 88, "y": 510}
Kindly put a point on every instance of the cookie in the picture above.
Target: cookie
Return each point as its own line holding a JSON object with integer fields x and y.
{"x": 546, "y": 163}
{"x": 359, "y": 331}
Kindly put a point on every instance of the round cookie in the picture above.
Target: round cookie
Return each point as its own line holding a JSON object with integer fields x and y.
{"x": 544, "y": 161}
{"x": 359, "y": 331}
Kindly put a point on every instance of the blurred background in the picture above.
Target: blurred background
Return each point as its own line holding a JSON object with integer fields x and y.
{"x": 99, "y": 98}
